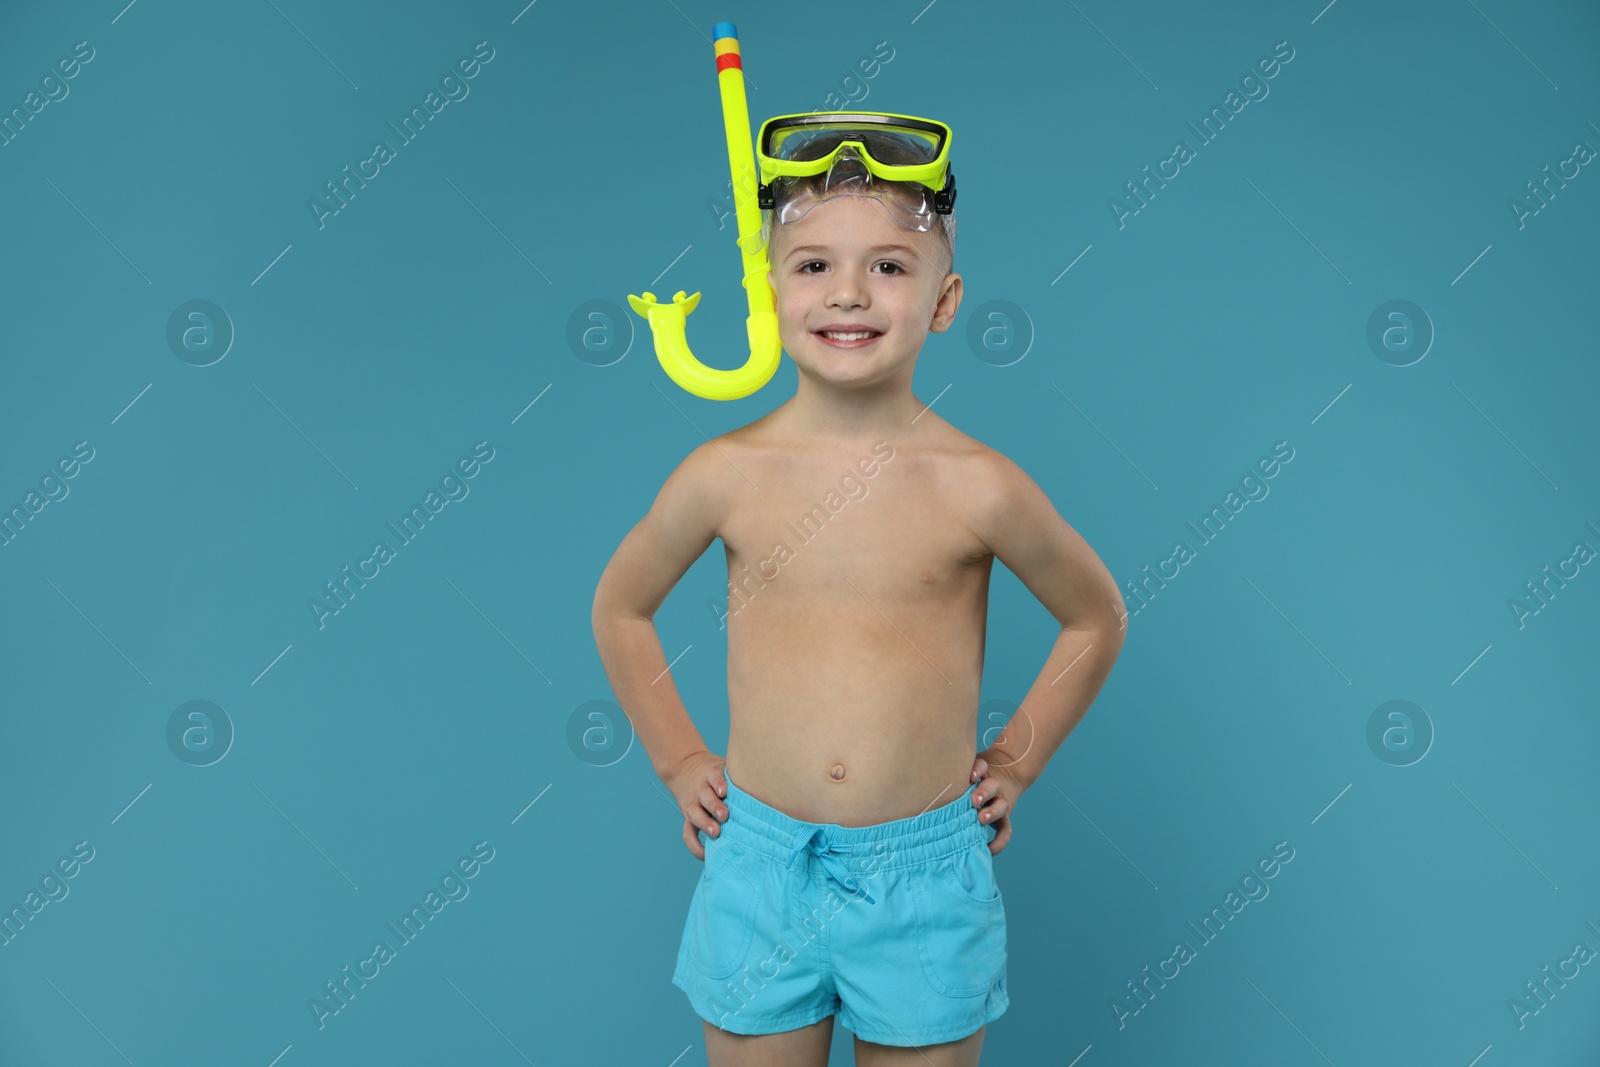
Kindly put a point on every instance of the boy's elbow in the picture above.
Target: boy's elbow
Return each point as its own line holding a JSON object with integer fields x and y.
{"x": 1107, "y": 623}
{"x": 604, "y": 620}
{"x": 604, "y": 609}
{"x": 1112, "y": 630}
{"x": 611, "y": 605}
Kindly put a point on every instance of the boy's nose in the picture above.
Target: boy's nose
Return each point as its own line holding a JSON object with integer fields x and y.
{"x": 847, "y": 291}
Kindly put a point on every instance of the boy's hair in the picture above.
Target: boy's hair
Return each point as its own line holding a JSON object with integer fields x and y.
{"x": 944, "y": 226}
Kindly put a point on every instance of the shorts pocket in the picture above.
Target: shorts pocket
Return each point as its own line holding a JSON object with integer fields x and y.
{"x": 723, "y": 912}
{"x": 961, "y": 923}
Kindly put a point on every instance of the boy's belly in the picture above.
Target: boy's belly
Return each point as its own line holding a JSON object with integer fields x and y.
{"x": 856, "y": 703}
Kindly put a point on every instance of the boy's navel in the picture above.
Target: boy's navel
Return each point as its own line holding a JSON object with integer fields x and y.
{"x": 837, "y": 772}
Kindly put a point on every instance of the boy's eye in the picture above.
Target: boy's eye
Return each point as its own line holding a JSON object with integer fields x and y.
{"x": 805, "y": 268}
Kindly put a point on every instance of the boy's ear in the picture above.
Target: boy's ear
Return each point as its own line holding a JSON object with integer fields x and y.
{"x": 944, "y": 312}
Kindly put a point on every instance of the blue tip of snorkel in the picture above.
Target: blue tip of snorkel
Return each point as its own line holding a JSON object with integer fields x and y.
{"x": 724, "y": 29}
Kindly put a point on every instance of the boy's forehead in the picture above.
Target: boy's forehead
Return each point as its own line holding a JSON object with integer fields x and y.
{"x": 841, "y": 227}
{"x": 864, "y": 245}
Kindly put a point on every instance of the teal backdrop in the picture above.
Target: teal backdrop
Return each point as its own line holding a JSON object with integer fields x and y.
{"x": 240, "y": 345}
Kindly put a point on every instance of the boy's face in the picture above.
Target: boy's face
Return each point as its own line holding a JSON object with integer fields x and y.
{"x": 846, "y": 263}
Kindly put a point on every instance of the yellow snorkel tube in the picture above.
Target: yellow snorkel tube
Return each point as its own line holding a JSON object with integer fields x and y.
{"x": 667, "y": 321}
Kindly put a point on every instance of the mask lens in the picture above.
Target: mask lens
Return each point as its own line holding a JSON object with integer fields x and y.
{"x": 909, "y": 204}
{"x": 894, "y": 145}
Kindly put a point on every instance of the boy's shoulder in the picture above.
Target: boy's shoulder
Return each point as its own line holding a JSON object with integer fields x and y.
{"x": 933, "y": 449}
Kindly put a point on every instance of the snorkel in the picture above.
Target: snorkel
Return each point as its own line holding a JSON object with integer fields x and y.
{"x": 667, "y": 321}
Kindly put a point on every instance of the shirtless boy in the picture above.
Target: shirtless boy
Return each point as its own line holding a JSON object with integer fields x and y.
{"x": 849, "y": 833}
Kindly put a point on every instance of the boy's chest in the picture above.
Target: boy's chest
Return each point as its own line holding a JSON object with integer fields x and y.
{"x": 810, "y": 534}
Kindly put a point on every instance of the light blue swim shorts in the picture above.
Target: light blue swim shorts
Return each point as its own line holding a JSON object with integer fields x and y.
{"x": 896, "y": 927}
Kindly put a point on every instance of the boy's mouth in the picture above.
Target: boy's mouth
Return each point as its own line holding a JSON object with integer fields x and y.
{"x": 842, "y": 336}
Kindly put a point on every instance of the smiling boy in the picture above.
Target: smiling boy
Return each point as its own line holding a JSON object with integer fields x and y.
{"x": 849, "y": 833}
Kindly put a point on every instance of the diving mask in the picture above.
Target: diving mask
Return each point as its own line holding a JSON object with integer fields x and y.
{"x": 901, "y": 161}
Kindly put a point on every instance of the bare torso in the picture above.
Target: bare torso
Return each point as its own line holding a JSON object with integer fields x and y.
{"x": 855, "y": 623}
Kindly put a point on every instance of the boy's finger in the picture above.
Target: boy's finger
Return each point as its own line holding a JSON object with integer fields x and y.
{"x": 697, "y": 816}
{"x": 714, "y": 809}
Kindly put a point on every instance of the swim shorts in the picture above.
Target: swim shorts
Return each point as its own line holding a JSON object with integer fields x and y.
{"x": 898, "y": 928}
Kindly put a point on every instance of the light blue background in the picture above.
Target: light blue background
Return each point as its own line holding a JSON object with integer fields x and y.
{"x": 433, "y": 711}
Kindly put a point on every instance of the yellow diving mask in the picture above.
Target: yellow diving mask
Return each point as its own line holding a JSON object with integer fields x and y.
{"x": 901, "y": 161}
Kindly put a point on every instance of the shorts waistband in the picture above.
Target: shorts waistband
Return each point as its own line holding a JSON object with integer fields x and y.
{"x": 907, "y": 842}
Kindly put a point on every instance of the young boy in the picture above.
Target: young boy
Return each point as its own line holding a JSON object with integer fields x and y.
{"x": 848, "y": 836}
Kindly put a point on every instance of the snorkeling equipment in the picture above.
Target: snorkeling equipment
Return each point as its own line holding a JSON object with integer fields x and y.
{"x": 901, "y": 161}
{"x": 667, "y": 323}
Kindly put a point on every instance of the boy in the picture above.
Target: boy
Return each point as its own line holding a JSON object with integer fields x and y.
{"x": 854, "y": 873}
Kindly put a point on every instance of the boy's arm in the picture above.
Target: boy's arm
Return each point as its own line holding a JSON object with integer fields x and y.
{"x": 1016, "y": 520}
{"x": 679, "y": 527}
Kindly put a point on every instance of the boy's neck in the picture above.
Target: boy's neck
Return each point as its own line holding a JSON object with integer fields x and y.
{"x": 823, "y": 414}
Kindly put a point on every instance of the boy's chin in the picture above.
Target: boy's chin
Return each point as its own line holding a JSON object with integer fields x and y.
{"x": 845, "y": 367}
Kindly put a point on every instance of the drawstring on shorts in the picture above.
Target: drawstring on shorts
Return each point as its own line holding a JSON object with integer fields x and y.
{"x": 828, "y": 852}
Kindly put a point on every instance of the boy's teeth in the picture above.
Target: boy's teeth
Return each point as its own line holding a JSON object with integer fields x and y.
{"x": 858, "y": 335}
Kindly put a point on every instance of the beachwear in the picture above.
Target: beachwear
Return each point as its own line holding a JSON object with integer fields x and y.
{"x": 898, "y": 928}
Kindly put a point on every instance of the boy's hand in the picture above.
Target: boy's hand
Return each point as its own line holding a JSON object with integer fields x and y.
{"x": 698, "y": 784}
{"x": 995, "y": 798}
